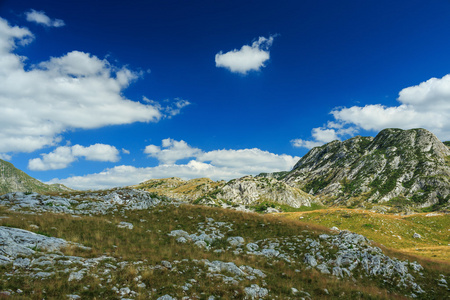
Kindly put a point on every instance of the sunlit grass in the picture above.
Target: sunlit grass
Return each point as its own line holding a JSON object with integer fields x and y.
{"x": 392, "y": 231}
{"x": 148, "y": 244}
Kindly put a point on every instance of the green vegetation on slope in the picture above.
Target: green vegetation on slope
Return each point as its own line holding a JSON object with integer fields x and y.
{"x": 15, "y": 180}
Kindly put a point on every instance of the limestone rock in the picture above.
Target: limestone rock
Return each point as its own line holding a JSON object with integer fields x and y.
{"x": 255, "y": 292}
{"x": 251, "y": 190}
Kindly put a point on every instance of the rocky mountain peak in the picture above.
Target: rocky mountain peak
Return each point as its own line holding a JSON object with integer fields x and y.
{"x": 421, "y": 140}
{"x": 407, "y": 166}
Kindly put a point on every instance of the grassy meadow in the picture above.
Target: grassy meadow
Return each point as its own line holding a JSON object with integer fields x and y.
{"x": 148, "y": 243}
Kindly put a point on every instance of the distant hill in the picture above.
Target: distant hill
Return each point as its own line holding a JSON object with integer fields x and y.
{"x": 398, "y": 167}
{"x": 248, "y": 190}
{"x": 174, "y": 187}
{"x": 15, "y": 180}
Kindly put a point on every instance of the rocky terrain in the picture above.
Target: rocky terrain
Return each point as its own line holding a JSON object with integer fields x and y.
{"x": 243, "y": 193}
{"x": 127, "y": 244}
{"x": 14, "y": 180}
{"x": 410, "y": 167}
{"x": 251, "y": 190}
{"x": 177, "y": 188}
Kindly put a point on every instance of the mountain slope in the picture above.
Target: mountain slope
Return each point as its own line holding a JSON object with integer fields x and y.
{"x": 174, "y": 187}
{"x": 247, "y": 190}
{"x": 401, "y": 166}
{"x": 251, "y": 190}
{"x": 15, "y": 180}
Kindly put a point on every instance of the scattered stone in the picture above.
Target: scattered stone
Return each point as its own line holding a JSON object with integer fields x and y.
{"x": 256, "y": 292}
{"x": 235, "y": 241}
{"x": 166, "y": 297}
{"x": 166, "y": 264}
{"x": 182, "y": 240}
{"x": 76, "y": 275}
{"x": 310, "y": 260}
{"x": 125, "y": 225}
{"x": 252, "y": 247}
{"x": 417, "y": 236}
{"x": 201, "y": 244}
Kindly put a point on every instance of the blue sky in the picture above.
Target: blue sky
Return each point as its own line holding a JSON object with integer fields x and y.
{"x": 96, "y": 94}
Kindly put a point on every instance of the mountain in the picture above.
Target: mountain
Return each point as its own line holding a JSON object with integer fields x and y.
{"x": 403, "y": 167}
{"x": 14, "y": 180}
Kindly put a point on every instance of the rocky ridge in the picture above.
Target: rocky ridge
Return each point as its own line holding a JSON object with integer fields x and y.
{"x": 88, "y": 203}
{"x": 407, "y": 166}
{"x": 177, "y": 188}
{"x": 241, "y": 193}
{"x": 251, "y": 190}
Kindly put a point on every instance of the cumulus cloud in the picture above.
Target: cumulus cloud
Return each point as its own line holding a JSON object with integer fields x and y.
{"x": 41, "y": 18}
{"x": 74, "y": 91}
{"x": 426, "y": 105}
{"x": 216, "y": 164}
{"x": 63, "y": 156}
{"x": 321, "y": 136}
{"x": 248, "y": 58}
{"x": 172, "y": 151}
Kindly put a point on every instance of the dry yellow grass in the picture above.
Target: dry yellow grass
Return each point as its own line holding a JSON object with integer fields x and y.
{"x": 392, "y": 231}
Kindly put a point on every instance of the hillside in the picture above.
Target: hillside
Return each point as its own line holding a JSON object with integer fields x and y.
{"x": 127, "y": 244}
{"x": 174, "y": 187}
{"x": 15, "y": 180}
{"x": 247, "y": 192}
{"x": 407, "y": 168}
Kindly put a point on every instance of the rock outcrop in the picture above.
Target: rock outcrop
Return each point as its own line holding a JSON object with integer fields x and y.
{"x": 245, "y": 191}
{"x": 177, "y": 188}
{"x": 251, "y": 190}
{"x": 411, "y": 167}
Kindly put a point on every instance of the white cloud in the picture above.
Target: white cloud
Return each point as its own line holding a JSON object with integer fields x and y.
{"x": 300, "y": 143}
{"x": 248, "y": 58}
{"x": 125, "y": 151}
{"x": 5, "y": 156}
{"x": 41, "y": 18}
{"x": 321, "y": 136}
{"x": 77, "y": 90}
{"x": 248, "y": 161}
{"x": 97, "y": 152}
{"x": 426, "y": 105}
{"x": 175, "y": 108}
{"x": 63, "y": 156}
{"x": 174, "y": 151}
{"x": 216, "y": 164}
